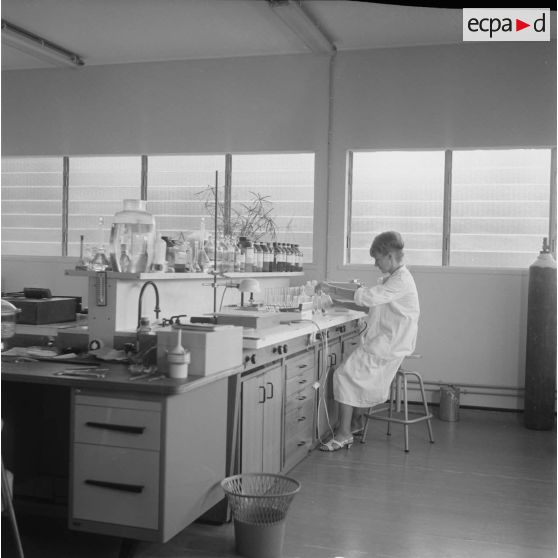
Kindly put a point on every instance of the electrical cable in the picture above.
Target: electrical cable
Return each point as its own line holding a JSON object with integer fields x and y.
{"x": 222, "y": 297}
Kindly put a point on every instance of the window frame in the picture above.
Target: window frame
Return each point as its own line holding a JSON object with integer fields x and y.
{"x": 447, "y": 203}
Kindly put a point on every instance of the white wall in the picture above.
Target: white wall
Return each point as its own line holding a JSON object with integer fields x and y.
{"x": 484, "y": 95}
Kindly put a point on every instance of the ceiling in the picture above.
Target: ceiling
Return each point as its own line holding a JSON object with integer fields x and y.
{"x": 125, "y": 31}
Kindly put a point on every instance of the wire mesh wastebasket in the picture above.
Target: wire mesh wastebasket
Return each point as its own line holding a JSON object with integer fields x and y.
{"x": 259, "y": 504}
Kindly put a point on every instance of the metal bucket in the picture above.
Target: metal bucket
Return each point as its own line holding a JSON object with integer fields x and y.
{"x": 449, "y": 403}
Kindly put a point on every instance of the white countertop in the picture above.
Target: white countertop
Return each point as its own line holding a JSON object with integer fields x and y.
{"x": 252, "y": 338}
{"x": 259, "y": 338}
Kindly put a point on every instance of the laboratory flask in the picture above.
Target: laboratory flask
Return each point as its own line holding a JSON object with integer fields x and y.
{"x": 132, "y": 233}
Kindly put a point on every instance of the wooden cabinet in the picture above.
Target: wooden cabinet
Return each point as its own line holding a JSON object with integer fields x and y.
{"x": 144, "y": 466}
{"x": 300, "y": 375}
{"x": 116, "y": 461}
{"x": 262, "y": 411}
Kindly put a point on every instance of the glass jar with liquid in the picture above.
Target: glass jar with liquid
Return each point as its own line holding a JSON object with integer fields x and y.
{"x": 134, "y": 228}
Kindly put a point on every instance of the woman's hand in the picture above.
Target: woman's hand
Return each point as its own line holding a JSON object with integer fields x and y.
{"x": 322, "y": 287}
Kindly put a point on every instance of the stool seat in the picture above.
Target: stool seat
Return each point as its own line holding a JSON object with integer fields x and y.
{"x": 393, "y": 407}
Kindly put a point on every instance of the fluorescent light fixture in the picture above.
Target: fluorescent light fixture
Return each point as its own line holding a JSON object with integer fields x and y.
{"x": 43, "y": 49}
{"x": 294, "y": 16}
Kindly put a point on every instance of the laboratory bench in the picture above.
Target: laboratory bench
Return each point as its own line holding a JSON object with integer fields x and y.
{"x": 142, "y": 459}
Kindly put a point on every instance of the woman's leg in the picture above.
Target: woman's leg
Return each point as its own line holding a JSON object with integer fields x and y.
{"x": 345, "y": 416}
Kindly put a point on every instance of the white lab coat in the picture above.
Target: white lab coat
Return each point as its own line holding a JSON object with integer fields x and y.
{"x": 364, "y": 378}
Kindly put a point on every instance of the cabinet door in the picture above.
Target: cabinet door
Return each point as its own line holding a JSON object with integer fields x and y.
{"x": 273, "y": 415}
{"x": 262, "y": 408}
{"x": 253, "y": 400}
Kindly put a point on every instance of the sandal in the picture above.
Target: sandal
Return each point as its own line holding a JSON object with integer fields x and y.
{"x": 358, "y": 432}
{"x": 334, "y": 445}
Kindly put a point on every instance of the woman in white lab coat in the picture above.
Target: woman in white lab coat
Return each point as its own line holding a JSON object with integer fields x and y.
{"x": 363, "y": 379}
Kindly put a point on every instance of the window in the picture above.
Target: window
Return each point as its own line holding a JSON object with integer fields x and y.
{"x": 67, "y": 198}
{"x": 32, "y": 206}
{"x": 398, "y": 190}
{"x": 485, "y": 208}
{"x": 499, "y": 206}
{"x": 97, "y": 186}
{"x": 287, "y": 182}
{"x": 174, "y": 186}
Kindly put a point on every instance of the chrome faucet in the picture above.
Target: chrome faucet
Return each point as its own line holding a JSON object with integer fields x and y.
{"x": 157, "y": 309}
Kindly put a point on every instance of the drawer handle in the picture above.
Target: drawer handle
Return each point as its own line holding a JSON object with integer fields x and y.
{"x": 301, "y": 443}
{"x": 270, "y": 396}
{"x": 136, "y": 488}
{"x": 302, "y": 381}
{"x": 301, "y": 397}
{"x": 117, "y": 427}
{"x": 301, "y": 419}
{"x": 302, "y": 365}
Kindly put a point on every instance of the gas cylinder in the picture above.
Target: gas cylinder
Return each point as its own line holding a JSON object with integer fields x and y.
{"x": 540, "y": 361}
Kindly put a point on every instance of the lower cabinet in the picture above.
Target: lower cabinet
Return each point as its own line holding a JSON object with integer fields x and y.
{"x": 300, "y": 375}
{"x": 116, "y": 461}
{"x": 146, "y": 466}
{"x": 261, "y": 423}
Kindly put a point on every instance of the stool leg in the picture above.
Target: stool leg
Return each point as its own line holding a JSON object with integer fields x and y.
{"x": 365, "y": 429}
{"x": 11, "y": 513}
{"x": 393, "y": 395}
{"x": 406, "y": 413}
{"x": 426, "y": 412}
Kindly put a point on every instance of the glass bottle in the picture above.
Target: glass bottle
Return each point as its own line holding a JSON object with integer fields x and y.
{"x": 239, "y": 259}
{"x": 180, "y": 256}
{"x": 124, "y": 259}
{"x": 267, "y": 257}
{"x": 249, "y": 255}
{"x": 204, "y": 263}
{"x": 281, "y": 258}
{"x": 276, "y": 257}
{"x": 209, "y": 248}
{"x": 196, "y": 257}
{"x": 222, "y": 255}
{"x": 298, "y": 258}
{"x": 100, "y": 261}
{"x": 231, "y": 251}
{"x": 258, "y": 258}
{"x": 289, "y": 257}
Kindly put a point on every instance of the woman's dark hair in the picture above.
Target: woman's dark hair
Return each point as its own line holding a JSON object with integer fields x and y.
{"x": 388, "y": 242}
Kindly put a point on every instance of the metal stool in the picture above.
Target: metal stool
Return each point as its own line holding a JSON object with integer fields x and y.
{"x": 8, "y": 504}
{"x": 400, "y": 380}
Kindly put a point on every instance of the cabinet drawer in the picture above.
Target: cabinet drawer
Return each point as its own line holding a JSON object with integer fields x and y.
{"x": 298, "y": 442}
{"x": 299, "y": 398}
{"x": 116, "y": 485}
{"x": 299, "y": 419}
{"x": 302, "y": 380}
{"x": 114, "y": 426}
{"x": 299, "y": 364}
